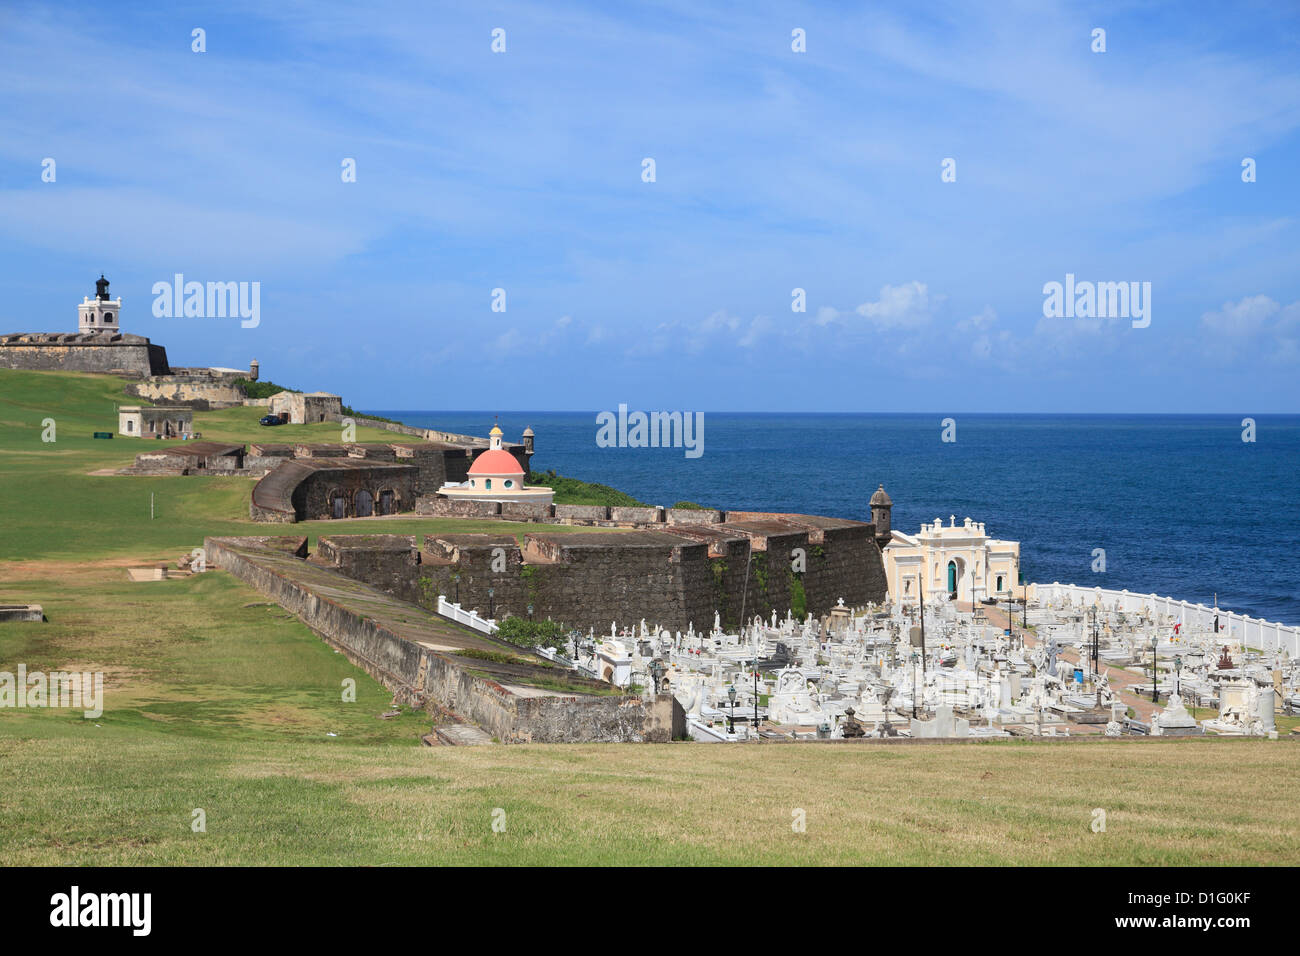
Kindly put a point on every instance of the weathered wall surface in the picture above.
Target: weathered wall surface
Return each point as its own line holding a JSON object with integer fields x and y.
{"x": 581, "y": 514}
{"x": 464, "y": 566}
{"x": 313, "y": 497}
{"x": 457, "y": 508}
{"x": 386, "y": 562}
{"x": 673, "y": 578}
{"x": 430, "y": 464}
{"x": 420, "y": 677}
{"x": 114, "y": 358}
{"x": 846, "y": 564}
{"x": 198, "y": 392}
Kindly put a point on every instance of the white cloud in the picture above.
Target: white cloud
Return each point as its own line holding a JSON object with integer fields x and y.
{"x": 906, "y": 306}
{"x": 1239, "y": 328}
{"x": 900, "y": 306}
{"x": 1246, "y": 317}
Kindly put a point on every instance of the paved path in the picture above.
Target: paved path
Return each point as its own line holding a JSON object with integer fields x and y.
{"x": 1121, "y": 680}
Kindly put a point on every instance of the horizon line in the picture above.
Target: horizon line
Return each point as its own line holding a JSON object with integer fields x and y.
{"x": 585, "y": 411}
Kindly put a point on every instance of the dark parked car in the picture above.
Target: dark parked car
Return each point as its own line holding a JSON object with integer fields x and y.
{"x": 270, "y": 420}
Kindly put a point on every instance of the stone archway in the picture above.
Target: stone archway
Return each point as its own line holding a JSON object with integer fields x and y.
{"x": 365, "y": 503}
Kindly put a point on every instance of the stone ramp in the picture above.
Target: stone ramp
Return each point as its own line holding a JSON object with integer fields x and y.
{"x": 470, "y": 675}
{"x": 461, "y": 735}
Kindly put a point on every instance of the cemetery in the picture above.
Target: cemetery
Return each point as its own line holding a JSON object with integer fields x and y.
{"x": 889, "y": 671}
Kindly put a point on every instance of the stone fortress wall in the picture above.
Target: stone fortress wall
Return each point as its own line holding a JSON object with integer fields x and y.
{"x": 676, "y": 575}
{"x": 202, "y": 389}
{"x": 421, "y": 660}
{"x": 102, "y": 352}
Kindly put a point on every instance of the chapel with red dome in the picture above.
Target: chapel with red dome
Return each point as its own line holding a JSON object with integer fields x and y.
{"x": 496, "y": 475}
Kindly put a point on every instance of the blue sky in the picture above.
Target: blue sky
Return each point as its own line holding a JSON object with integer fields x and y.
{"x": 775, "y": 170}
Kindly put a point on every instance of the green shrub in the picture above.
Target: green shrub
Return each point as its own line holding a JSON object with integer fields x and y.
{"x": 261, "y": 389}
{"x": 571, "y": 491}
{"x": 526, "y": 633}
{"x": 798, "y": 598}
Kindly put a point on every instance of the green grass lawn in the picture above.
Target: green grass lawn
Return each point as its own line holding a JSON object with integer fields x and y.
{"x": 217, "y": 700}
{"x": 54, "y": 508}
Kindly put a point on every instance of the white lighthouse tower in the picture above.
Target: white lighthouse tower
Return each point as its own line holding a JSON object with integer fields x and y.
{"x": 100, "y": 314}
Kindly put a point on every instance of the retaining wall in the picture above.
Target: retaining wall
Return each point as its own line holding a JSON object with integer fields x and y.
{"x": 421, "y": 677}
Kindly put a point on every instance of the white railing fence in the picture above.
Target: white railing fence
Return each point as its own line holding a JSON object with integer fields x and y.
{"x": 1253, "y": 631}
{"x": 468, "y": 618}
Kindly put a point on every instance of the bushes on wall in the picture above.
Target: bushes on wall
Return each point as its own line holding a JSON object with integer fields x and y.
{"x": 798, "y": 597}
{"x": 261, "y": 389}
{"x": 520, "y": 630}
{"x": 571, "y": 491}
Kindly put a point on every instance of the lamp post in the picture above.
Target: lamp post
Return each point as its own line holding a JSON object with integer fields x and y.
{"x": 1155, "y": 669}
{"x": 491, "y": 606}
{"x": 756, "y": 696}
{"x": 573, "y": 636}
{"x": 914, "y": 686}
{"x": 731, "y": 718}
{"x": 455, "y": 578}
{"x": 530, "y": 612}
{"x": 1093, "y": 612}
{"x": 1024, "y": 606}
{"x": 1178, "y": 675}
{"x": 921, "y": 614}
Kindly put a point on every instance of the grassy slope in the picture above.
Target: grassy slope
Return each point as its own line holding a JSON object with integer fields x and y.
{"x": 218, "y": 701}
{"x": 54, "y": 508}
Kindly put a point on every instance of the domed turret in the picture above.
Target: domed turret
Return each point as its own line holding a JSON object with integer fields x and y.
{"x": 880, "y": 510}
{"x": 497, "y": 475}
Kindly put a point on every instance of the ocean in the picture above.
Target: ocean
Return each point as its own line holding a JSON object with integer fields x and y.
{"x": 1181, "y": 504}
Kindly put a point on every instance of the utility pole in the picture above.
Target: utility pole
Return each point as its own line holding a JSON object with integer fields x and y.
{"x": 921, "y": 588}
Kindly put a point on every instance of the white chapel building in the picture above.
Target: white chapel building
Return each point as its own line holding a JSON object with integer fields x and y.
{"x": 957, "y": 561}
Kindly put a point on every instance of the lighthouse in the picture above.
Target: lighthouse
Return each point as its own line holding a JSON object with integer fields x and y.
{"x": 100, "y": 314}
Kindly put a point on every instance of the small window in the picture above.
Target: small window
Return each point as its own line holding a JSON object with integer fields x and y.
{"x": 108, "y": 317}
{"x": 130, "y": 425}
{"x": 509, "y": 483}
{"x": 487, "y": 483}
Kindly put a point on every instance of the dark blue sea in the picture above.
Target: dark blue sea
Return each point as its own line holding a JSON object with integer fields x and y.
{"x": 1182, "y": 506}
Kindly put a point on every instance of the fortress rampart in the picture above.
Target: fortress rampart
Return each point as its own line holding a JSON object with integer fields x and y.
{"x": 200, "y": 389}
{"x": 672, "y": 575}
{"x": 103, "y": 352}
{"x": 512, "y": 700}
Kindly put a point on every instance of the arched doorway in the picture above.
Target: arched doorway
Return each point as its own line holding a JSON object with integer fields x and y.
{"x": 952, "y": 577}
{"x": 365, "y": 504}
{"x": 386, "y": 502}
{"x": 999, "y": 584}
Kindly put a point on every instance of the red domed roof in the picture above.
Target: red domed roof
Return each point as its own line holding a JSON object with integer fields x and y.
{"x": 496, "y": 461}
